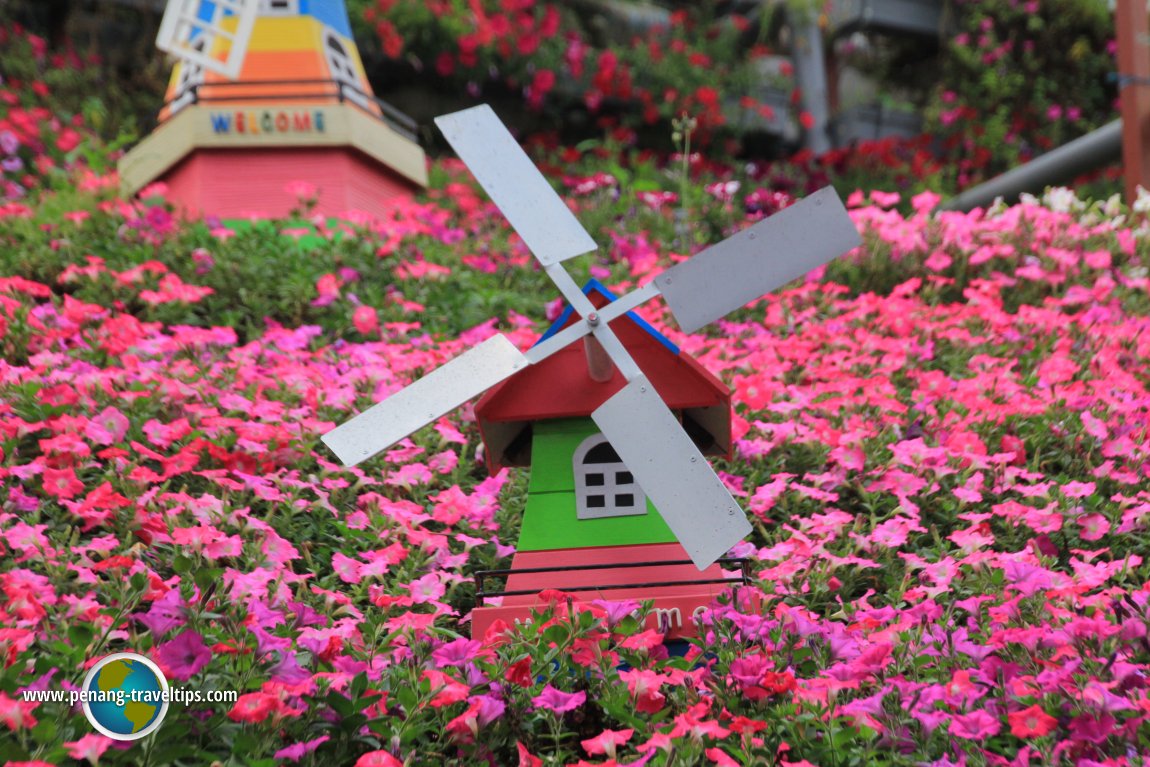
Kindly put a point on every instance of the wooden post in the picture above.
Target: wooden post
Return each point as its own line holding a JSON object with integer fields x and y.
{"x": 1133, "y": 33}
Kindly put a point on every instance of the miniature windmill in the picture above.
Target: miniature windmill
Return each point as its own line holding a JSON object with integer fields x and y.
{"x": 264, "y": 93}
{"x": 641, "y": 445}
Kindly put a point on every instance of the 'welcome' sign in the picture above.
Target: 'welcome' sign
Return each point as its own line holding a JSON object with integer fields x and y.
{"x": 268, "y": 121}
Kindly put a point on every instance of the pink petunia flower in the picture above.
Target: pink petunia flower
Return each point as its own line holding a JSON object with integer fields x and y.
{"x": 89, "y": 748}
{"x": 606, "y": 742}
{"x": 107, "y": 428}
{"x": 378, "y": 759}
{"x": 558, "y": 701}
{"x": 366, "y": 320}
{"x": 1094, "y": 527}
{"x": 644, "y": 686}
{"x": 62, "y": 483}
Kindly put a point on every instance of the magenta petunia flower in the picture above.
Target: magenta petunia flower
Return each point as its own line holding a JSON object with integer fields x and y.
{"x": 166, "y": 613}
{"x": 297, "y": 751}
{"x": 288, "y": 670}
{"x": 558, "y": 701}
{"x": 616, "y": 611}
{"x": 457, "y": 652}
{"x": 489, "y": 709}
{"x": 977, "y": 725}
{"x": 185, "y": 656}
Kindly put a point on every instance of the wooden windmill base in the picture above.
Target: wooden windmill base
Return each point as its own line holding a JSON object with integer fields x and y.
{"x": 659, "y": 572}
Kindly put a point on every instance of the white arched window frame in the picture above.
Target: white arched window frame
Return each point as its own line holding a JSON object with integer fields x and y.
{"x": 604, "y": 486}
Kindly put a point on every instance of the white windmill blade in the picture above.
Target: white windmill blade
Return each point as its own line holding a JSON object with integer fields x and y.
{"x": 436, "y": 394}
{"x": 672, "y": 472}
{"x": 759, "y": 259}
{"x": 507, "y": 174}
{"x": 195, "y": 31}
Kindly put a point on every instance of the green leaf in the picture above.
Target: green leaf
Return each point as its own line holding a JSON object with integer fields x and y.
{"x": 80, "y": 635}
{"x": 358, "y": 685}
{"x": 408, "y": 696}
{"x": 205, "y": 577}
{"x": 340, "y": 705}
{"x": 45, "y": 731}
{"x": 11, "y": 751}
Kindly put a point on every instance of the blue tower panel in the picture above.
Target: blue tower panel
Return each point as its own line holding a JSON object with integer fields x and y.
{"x": 332, "y": 13}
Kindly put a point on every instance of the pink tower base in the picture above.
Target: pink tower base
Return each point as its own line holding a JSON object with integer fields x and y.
{"x": 240, "y": 183}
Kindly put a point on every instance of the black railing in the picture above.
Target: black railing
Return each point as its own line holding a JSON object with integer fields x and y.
{"x": 481, "y": 593}
{"x": 345, "y": 93}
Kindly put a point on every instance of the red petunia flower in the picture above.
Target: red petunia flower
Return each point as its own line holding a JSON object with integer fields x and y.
{"x": 1031, "y": 722}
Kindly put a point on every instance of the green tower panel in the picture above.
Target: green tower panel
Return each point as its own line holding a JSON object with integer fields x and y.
{"x": 549, "y": 518}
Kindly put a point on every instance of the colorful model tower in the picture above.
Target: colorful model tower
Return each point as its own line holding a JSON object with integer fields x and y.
{"x": 267, "y": 93}
{"x": 614, "y": 421}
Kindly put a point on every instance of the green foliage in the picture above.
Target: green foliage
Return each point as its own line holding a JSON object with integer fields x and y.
{"x": 1018, "y": 79}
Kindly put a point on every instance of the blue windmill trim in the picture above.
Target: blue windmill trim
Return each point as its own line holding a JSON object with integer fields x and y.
{"x": 594, "y": 285}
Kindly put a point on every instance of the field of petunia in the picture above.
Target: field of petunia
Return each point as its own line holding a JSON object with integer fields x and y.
{"x": 942, "y": 441}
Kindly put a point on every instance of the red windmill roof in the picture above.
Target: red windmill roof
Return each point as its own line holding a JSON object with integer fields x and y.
{"x": 561, "y": 387}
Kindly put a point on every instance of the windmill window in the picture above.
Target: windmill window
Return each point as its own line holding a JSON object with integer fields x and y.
{"x": 343, "y": 69}
{"x": 604, "y": 487}
{"x": 279, "y": 7}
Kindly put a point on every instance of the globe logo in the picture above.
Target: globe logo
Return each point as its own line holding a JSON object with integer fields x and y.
{"x": 125, "y": 696}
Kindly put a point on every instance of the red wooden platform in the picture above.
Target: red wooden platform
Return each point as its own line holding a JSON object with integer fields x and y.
{"x": 615, "y": 574}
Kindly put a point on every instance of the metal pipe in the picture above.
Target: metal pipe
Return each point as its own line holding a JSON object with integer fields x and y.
{"x": 1083, "y": 154}
{"x": 811, "y": 78}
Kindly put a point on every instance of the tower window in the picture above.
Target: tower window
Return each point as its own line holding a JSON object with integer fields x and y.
{"x": 604, "y": 487}
{"x": 279, "y": 7}
{"x": 344, "y": 70}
